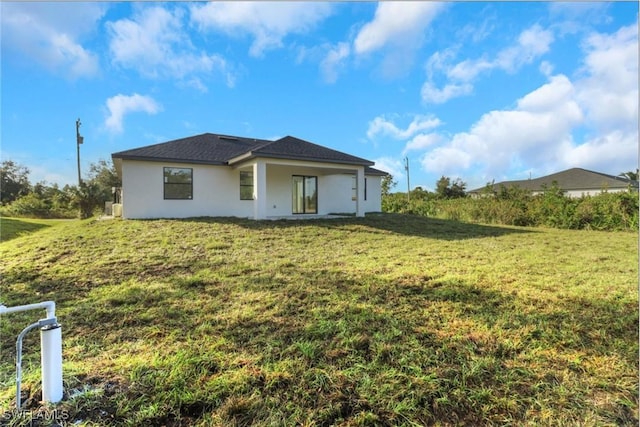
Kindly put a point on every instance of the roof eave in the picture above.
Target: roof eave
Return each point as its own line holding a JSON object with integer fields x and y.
{"x": 376, "y": 172}
{"x": 242, "y": 157}
{"x": 166, "y": 159}
{"x": 251, "y": 155}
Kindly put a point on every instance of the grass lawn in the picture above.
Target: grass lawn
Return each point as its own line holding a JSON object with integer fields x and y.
{"x": 10, "y": 228}
{"x": 387, "y": 320}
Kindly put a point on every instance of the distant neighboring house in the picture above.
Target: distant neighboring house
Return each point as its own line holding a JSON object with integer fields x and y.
{"x": 220, "y": 175}
{"x": 575, "y": 182}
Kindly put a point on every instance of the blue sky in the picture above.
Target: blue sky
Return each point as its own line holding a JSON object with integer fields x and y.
{"x": 479, "y": 91}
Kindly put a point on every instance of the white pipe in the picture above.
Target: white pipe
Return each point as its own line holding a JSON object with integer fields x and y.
{"x": 50, "y": 350}
{"x": 51, "y": 363}
{"x": 50, "y": 306}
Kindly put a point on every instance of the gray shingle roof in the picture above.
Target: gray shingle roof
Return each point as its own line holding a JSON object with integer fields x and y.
{"x": 293, "y": 148}
{"x": 206, "y": 148}
{"x": 210, "y": 148}
{"x": 373, "y": 171}
{"x": 575, "y": 179}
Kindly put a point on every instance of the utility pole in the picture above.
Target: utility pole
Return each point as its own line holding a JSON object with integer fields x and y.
{"x": 406, "y": 167}
{"x": 79, "y": 141}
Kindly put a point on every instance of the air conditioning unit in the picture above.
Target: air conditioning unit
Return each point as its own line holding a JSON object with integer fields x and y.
{"x": 117, "y": 210}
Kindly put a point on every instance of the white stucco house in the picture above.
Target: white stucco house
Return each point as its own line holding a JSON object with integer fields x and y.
{"x": 221, "y": 175}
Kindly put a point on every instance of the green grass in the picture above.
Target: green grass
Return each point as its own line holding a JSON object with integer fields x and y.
{"x": 387, "y": 320}
{"x": 10, "y": 228}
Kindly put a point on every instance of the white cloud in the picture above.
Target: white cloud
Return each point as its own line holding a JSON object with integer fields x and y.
{"x": 609, "y": 91}
{"x": 432, "y": 95}
{"x": 155, "y": 44}
{"x": 392, "y": 166}
{"x": 439, "y": 61}
{"x": 396, "y": 23}
{"x": 447, "y": 160}
{"x": 573, "y": 17}
{"x": 415, "y": 135}
{"x": 526, "y": 131}
{"x": 533, "y": 132}
{"x": 591, "y": 122}
{"x": 546, "y": 68}
{"x": 476, "y": 32}
{"x": 80, "y": 62}
{"x": 547, "y": 97}
{"x": 51, "y": 34}
{"x": 422, "y": 141}
{"x": 531, "y": 44}
{"x": 120, "y": 105}
{"x": 196, "y": 84}
{"x": 398, "y": 30}
{"x": 50, "y": 173}
{"x": 333, "y": 61}
{"x": 613, "y": 152}
{"x": 267, "y": 22}
{"x": 469, "y": 69}
{"x": 578, "y": 11}
{"x": 381, "y": 126}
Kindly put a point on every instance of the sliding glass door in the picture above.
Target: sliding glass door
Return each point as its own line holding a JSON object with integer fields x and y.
{"x": 304, "y": 194}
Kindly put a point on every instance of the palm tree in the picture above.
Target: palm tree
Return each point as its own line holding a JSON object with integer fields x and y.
{"x": 630, "y": 175}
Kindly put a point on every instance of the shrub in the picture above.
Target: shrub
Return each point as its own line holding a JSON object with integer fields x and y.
{"x": 34, "y": 205}
{"x": 608, "y": 211}
{"x": 605, "y": 211}
{"x": 30, "y": 205}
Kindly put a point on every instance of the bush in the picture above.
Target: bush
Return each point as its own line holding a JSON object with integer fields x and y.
{"x": 34, "y": 205}
{"x": 87, "y": 199}
{"x": 606, "y": 211}
{"x": 394, "y": 202}
{"x": 41, "y": 200}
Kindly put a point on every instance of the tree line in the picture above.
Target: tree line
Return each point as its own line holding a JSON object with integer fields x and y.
{"x": 518, "y": 206}
{"x": 19, "y": 197}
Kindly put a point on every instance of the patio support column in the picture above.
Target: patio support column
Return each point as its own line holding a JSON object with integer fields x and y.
{"x": 360, "y": 191}
{"x": 260, "y": 190}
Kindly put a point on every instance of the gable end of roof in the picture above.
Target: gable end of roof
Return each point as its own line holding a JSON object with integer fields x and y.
{"x": 293, "y": 148}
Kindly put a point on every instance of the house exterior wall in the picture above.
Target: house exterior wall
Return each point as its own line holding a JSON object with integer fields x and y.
{"x": 587, "y": 192}
{"x": 594, "y": 192}
{"x": 334, "y": 191}
{"x": 338, "y": 195}
{"x": 216, "y": 191}
{"x": 279, "y": 184}
{"x": 374, "y": 194}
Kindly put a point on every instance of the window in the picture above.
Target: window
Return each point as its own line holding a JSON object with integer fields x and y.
{"x": 305, "y": 194}
{"x": 178, "y": 183}
{"x": 246, "y": 185}
{"x": 354, "y": 189}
